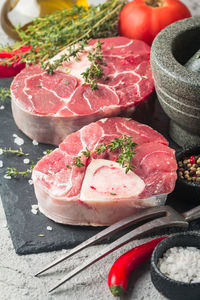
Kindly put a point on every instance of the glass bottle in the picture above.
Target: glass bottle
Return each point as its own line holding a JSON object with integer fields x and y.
{"x": 24, "y": 11}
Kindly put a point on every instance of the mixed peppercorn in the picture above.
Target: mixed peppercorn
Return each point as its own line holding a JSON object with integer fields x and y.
{"x": 189, "y": 168}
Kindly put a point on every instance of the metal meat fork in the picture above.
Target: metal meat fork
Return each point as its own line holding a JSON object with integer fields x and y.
{"x": 166, "y": 217}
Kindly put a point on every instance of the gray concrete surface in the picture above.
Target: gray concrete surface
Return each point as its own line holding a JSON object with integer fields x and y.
{"x": 16, "y": 272}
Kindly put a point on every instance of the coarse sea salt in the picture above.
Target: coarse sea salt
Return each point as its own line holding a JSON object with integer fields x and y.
{"x": 1, "y": 163}
{"x": 2, "y": 107}
{"x": 1, "y": 151}
{"x": 34, "y": 211}
{"x": 17, "y": 140}
{"x": 7, "y": 176}
{"x": 26, "y": 160}
{"x": 181, "y": 264}
{"x": 35, "y": 206}
{"x": 35, "y": 143}
{"x": 30, "y": 181}
{"x": 49, "y": 228}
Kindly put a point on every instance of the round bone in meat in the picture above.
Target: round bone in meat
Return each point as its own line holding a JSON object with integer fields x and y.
{"x": 100, "y": 192}
{"x": 49, "y": 107}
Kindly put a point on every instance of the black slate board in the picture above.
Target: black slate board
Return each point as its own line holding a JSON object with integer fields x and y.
{"x": 18, "y": 196}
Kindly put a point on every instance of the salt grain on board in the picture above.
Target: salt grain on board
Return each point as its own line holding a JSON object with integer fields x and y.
{"x": 34, "y": 211}
{"x": 2, "y": 107}
{"x": 26, "y": 160}
{"x": 30, "y": 181}
{"x": 7, "y": 176}
{"x": 17, "y": 140}
{"x": 49, "y": 228}
{"x": 1, "y": 151}
{"x": 34, "y": 206}
{"x": 1, "y": 163}
{"x": 35, "y": 143}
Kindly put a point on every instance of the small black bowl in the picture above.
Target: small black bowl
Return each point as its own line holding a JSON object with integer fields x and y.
{"x": 172, "y": 289}
{"x": 188, "y": 190}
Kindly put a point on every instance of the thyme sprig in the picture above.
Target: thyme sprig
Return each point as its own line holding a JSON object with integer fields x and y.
{"x": 18, "y": 152}
{"x": 4, "y": 93}
{"x": 95, "y": 70}
{"x": 14, "y": 172}
{"x": 123, "y": 145}
{"x": 51, "y": 34}
{"x": 72, "y": 51}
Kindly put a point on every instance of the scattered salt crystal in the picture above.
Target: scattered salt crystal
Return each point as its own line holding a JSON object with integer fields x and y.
{"x": 30, "y": 181}
{"x": 7, "y": 176}
{"x": 4, "y": 225}
{"x": 2, "y": 107}
{"x": 49, "y": 228}
{"x": 35, "y": 143}
{"x": 14, "y": 135}
{"x": 26, "y": 160}
{"x": 1, "y": 151}
{"x": 34, "y": 206}
{"x": 34, "y": 211}
{"x": 1, "y": 163}
{"x": 17, "y": 140}
{"x": 44, "y": 152}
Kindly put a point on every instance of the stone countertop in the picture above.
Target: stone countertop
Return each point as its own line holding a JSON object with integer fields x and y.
{"x": 16, "y": 272}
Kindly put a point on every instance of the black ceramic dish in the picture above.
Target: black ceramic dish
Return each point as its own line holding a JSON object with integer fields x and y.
{"x": 175, "y": 290}
{"x": 189, "y": 191}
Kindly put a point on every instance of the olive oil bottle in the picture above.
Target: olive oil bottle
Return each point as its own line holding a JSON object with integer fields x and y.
{"x": 24, "y": 11}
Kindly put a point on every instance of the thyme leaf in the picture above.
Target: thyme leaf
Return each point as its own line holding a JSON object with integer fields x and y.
{"x": 123, "y": 145}
{"x": 4, "y": 93}
{"x": 72, "y": 51}
{"x": 94, "y": 71}
{"x": 78, "y": 162}
{"x": 18, "y": 152}
{"x": 14, "y": 172}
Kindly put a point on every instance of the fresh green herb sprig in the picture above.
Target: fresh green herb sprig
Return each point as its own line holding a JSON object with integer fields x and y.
{"x": 51, "y": 34}
{"x": 124, "y": 146}
{"x": 14, "y": 172}
{"x": 4, "y": 93}
{"x": 95, "y": 70}
{"x": 72, "y": 51}
{"x": 18, "y": 152}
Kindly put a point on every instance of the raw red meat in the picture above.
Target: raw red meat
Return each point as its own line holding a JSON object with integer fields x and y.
{"x": 100, "y": 193}
{"x": 49, "y": 107}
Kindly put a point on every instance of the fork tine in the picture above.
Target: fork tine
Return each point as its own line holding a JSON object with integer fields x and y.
{"x": 146, "y": 214}
{"x": 147, "y": 228}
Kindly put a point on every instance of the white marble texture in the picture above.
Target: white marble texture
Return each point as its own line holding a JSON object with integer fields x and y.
{"x": 16, "y": 272}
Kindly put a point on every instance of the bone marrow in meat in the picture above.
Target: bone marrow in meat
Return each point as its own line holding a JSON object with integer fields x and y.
{"x": 49, "y": 107}
{"x": 100, "y": 193}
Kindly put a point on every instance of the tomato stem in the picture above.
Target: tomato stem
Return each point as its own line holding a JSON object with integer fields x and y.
{"x": 154, "y": 3}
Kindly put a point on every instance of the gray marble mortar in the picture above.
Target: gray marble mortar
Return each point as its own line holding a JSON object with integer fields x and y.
{"x": 177, "y": 87}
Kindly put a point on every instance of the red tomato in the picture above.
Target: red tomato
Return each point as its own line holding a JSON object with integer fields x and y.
{"x": 143, "y": 19}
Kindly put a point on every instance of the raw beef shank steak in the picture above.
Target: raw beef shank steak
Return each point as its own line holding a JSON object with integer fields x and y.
{"x": 100, "y": 192}
{"x": 49, "y": 107}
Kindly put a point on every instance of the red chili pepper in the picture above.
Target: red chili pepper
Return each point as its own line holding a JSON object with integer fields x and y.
{"x": 13, "y": 69}
{"x": 125, "y": 264}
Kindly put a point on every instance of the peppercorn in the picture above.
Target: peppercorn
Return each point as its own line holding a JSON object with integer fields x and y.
{"x": 189, "y": 168}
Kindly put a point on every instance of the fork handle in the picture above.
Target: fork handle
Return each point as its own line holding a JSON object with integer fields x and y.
{"x": 192, "y": 214}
